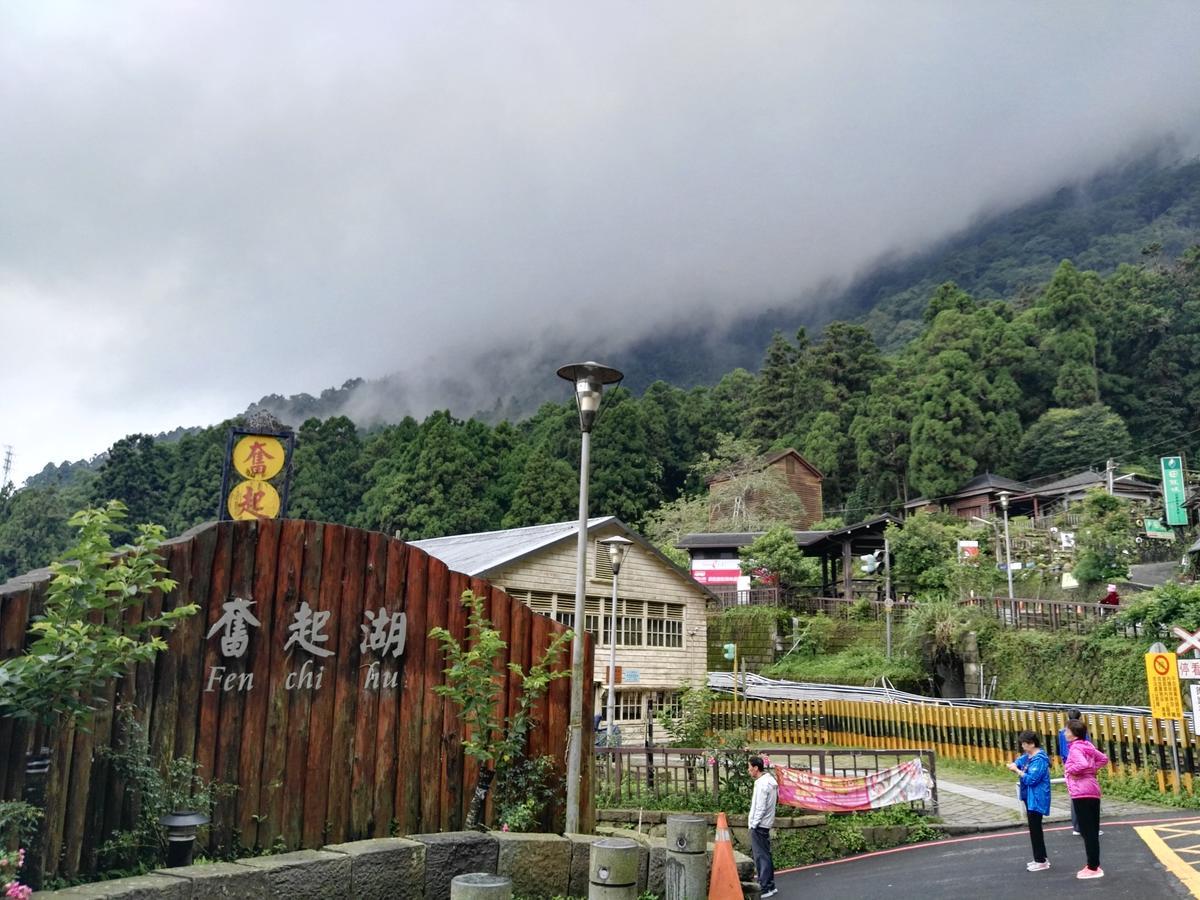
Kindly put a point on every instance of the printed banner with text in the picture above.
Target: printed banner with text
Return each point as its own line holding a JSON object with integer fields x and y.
{"x": 847, "y": 793}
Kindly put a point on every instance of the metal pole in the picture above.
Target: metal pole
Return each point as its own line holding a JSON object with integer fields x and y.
{"x": 887, "y": 594}
{"x": 1008, "y": 557}
{"x": 612, "y": 666}
{"x": 575, "y": 737}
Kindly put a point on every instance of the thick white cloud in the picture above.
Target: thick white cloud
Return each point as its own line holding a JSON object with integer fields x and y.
{"x": 202, "y": 203}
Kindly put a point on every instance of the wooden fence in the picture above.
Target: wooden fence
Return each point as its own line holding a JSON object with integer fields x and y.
{"x": 337, "y": 743}
{"x": 1137, "y": 746}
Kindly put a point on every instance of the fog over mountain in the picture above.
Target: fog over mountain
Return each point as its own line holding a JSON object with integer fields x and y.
{"x": 204, "y": 203}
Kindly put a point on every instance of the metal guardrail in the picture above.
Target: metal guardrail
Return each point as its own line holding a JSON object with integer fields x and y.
{"x": 756, "y": 687}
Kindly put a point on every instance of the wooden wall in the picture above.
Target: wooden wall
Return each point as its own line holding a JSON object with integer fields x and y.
{"x": 313, "y": 763}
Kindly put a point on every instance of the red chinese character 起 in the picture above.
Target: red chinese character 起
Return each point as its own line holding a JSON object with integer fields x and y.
{"x": 251, "y": 502}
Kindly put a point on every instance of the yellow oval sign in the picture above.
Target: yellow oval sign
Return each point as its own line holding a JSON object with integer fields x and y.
{"x": 258, "y": 456}
{"x": 254, "y": 499}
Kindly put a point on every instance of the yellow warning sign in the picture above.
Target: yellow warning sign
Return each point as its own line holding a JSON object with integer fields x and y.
{"x": 258, "y": 457}
{"x": 253, "y": 499}
{"x": 1162, "y": 677}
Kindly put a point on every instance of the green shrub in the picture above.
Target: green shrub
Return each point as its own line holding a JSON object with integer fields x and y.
{"x": 1063, "y": 667}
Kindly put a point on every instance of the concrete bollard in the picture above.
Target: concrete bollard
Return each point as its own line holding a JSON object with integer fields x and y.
{"x": 480, "y": 886}
{"x": 686, "y": 873}
{"x": 613, "y": 871}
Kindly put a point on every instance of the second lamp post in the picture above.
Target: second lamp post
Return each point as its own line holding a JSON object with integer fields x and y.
{"x": 617, "y": 546}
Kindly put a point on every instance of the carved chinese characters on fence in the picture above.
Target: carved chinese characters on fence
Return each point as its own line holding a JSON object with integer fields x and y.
{"x": 383, "y": 635}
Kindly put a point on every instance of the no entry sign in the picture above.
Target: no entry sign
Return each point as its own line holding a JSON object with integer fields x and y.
{"x": 1162, "y": 677}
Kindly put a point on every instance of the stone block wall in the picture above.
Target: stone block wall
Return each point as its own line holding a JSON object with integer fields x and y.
{"x": 419, "y": 867}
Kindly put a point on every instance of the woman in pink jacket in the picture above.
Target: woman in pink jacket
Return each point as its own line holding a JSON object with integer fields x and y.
{"x": 1083, "y": 761}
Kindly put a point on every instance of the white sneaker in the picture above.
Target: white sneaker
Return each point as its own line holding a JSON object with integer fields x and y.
{"x": 771, "y": 893}
{"x": 1038, "y": 866}
{"x": 1076, "y": 833}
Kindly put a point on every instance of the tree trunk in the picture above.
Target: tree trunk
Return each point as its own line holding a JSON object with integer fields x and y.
{"x": 482, "y": 784}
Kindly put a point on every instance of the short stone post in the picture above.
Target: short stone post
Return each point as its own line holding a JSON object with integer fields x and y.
{"x": 480, "y": 886}
{"x": 686, "y": 874}
{"x": 613, "y": 872}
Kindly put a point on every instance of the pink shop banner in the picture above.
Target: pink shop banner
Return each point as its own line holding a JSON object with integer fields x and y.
{"x": 841, "y": 793}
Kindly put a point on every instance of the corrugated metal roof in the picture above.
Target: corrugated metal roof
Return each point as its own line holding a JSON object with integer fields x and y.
{"x": 475, "y": 554}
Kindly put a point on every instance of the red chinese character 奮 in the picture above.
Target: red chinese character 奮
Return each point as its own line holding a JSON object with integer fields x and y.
{"x": 257, "y": 458}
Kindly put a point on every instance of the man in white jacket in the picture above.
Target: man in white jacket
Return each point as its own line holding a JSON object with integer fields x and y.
{"x": 760, "y": 820}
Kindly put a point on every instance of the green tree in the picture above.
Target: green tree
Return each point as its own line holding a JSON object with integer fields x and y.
{"x": 773, "y": 398}
{"x": 1064, "y": 440}
{"x": 778, "y": 557}
{"x": 327, "y": 471}
{"x": 547, "y": 492}
{"x": 33, "y": 528}
{"x": 439, "y": 487}
{"x": 495, "y": 743}
{"x": 84, "y": 636}
{"x": 1104, "y": 540}
{"x": 137, "y": 472}
{"x": 925, "y": 555}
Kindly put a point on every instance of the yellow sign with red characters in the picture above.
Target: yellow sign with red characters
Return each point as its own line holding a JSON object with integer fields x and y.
{"x": 253, "y": 499}
{"x": 259, "y": 457}
{"x": 1162, "y": 677}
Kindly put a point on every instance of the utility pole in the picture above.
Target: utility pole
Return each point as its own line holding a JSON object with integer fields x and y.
{"x": 1108, "y": 475}
{"x": 7, "y": 465}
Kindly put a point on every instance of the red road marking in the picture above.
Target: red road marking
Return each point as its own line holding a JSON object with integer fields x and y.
{"x": 1016, "y": 830}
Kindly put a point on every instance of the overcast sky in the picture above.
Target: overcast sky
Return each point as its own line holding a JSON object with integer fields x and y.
{"x": 204, "y": 202}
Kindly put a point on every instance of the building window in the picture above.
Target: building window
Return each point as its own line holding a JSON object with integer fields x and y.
{"x": 628, "y": 706}
{"x": 670, "y": 702}
{"x": 664, "y": 633}
{"x": 639, "y": 623}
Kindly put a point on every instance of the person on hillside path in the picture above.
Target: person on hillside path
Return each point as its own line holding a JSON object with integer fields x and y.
{"x": 1083, "y": 761}
{"x": 1063, "y": 746}
{"x": 759, "y": 822}
{"x": 1033, "y": 767}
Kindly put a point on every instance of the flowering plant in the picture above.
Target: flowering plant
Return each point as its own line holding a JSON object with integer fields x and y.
{"x": 9, "y": 864}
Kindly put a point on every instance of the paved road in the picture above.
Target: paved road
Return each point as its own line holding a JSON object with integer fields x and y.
{"x": 992, "y": 866}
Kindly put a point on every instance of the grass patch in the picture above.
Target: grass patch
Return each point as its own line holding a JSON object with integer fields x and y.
{"x": 859, "y": 664}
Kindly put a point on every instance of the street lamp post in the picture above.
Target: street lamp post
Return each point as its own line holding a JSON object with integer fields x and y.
{"x": 589, "y": 379}
{"x": 617, "y": 547}
{"x": 1004, "y": 495}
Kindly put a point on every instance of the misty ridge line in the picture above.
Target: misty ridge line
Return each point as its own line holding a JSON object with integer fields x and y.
{"x": 700, "y": 348}
{"x": 509, "y": 382}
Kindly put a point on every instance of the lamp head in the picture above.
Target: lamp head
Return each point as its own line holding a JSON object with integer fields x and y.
{"x": 1003, "y": 496}
{"x": 589, "y": 379}
{"x": 617, "y": 548}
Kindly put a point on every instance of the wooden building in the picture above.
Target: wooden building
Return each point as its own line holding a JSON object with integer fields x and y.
{"x": 799, "y": 474}
{"x": 661, "y": 625}
{"x": 978, "y": 497}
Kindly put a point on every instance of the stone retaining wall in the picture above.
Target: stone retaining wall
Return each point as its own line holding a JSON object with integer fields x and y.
{"x": 417, "y": 867}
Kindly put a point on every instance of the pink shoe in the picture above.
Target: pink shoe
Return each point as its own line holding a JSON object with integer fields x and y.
{"x": 1085, "y": 872}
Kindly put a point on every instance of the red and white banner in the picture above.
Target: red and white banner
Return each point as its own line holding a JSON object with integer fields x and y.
{"x": 849, "y": 793}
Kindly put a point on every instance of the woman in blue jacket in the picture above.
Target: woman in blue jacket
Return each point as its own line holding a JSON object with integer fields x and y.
{"x": 1034, "y": 768}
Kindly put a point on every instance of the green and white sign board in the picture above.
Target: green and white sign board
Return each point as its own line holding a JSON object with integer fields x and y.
{"x": 1156, "y": 529}
{"x": 1174, "y": 489}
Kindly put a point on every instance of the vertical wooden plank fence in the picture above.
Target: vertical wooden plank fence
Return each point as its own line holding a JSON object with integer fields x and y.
{"x": 327, "y": 736}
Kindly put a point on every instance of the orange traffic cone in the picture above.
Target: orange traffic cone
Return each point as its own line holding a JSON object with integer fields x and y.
{"x": 724, "y": 883}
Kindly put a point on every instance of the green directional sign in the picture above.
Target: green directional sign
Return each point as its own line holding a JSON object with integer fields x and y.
{"x": 1174, "y": 489}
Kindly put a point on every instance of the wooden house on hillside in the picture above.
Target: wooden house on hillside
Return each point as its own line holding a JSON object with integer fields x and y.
{"x": 662, "y": 630}
{"x": 978, "y": 497}
{"x": 799, "y": 474}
